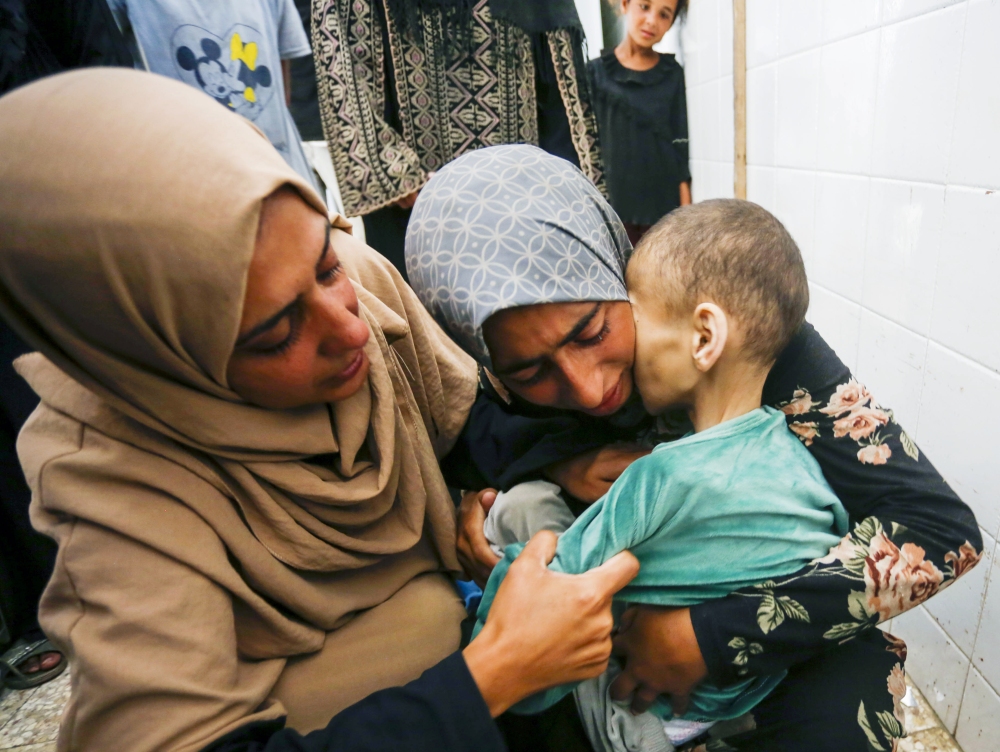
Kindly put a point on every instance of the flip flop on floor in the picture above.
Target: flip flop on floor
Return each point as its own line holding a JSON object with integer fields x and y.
{"x": 21, "y": 651}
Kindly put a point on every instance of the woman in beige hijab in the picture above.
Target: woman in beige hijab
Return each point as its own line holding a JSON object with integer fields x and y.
{"x": 237, "y": 448}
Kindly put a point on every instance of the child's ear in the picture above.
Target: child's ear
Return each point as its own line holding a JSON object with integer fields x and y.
{"x": 711, "y": 330}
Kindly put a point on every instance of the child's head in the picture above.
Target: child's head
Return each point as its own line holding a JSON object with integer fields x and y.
{"x": 714, "y": 285}
{"x": 646, "y": 21}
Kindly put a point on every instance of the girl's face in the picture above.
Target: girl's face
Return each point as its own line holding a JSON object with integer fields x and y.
{"x": 300, "y": 340}
{"x": 573, "y": 356}
{"x": 646, "y": 21}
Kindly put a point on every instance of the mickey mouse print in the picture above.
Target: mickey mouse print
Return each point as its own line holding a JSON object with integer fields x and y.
{"x": 230, "y": 69}
{"x": 230, "y": 49}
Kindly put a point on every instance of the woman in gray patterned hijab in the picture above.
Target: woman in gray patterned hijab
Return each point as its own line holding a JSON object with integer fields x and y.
{"x": 514, "y": 248}
{"x": 485, "y": 281}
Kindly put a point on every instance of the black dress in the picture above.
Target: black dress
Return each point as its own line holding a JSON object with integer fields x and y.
{"x": 642, "y": 121}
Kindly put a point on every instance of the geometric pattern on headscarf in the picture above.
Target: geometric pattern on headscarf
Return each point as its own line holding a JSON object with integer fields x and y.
{"x": 509, "y": 226}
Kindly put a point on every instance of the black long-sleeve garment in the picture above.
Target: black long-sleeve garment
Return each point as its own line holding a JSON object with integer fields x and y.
{"x": 642, "y": 119}
{"x": 912, "y": 534}
{"x": 42, "y": 37}
{"x": 442, "y": 711}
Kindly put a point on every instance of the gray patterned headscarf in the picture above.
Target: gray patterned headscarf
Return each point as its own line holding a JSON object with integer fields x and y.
{"x": 509, "y": 226}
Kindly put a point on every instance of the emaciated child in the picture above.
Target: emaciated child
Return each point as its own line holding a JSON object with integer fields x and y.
{"x": 717, "y": 289}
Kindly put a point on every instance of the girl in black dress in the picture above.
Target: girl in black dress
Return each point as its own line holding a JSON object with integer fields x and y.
{"x": 642, "y": 117}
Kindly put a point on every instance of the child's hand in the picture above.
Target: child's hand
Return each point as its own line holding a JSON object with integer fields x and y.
{"x": 661, "y": 657}
{"x": 474, "y": 552}
{"x": 588, "y": 476}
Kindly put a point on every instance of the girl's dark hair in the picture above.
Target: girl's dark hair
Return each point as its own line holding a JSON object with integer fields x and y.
{"x": 680, "y": 10}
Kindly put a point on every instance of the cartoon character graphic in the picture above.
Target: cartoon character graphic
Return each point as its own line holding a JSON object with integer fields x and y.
{"x": 235, "y": 79}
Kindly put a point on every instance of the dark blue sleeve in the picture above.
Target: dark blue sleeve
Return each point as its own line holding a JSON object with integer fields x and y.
{"x": 442, "y": 711}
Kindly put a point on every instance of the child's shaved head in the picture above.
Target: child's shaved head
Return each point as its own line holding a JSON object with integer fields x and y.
{"x": 735, "y": 254}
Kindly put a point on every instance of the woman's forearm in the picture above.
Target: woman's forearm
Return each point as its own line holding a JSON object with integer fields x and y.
{"x": 498, "y": 681}
{"x": 685, "y": 191}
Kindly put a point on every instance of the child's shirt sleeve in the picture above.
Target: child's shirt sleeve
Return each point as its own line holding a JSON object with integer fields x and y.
{"x": 639, "y": 504}
{"x": 293, "y": 41}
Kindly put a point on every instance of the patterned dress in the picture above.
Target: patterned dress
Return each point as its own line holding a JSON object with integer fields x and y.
{"x": 396, "y": 105}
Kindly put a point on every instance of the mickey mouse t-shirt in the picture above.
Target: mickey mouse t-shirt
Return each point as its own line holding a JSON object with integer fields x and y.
{"x": 230, "y": 49}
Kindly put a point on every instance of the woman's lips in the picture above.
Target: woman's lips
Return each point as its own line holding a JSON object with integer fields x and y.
{"x": 612, "y": 398}
{"x": 353, "y": 367}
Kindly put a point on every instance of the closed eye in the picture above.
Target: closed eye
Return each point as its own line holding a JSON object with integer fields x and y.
{"x": 286, "y": 344}
{"x": 597, "y": 338}
{"x": 330, "y": 274}
{"x": 531, "y": 376}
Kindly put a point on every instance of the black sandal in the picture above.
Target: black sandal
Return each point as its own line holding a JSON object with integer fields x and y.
{"x": 21, "y": 651}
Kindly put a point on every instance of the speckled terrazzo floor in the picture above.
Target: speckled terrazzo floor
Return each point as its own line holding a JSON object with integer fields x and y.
{"x": 29, "y": 720}
{"x": 926, "y": 734}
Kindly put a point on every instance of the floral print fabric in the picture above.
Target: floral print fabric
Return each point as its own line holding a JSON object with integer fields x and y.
{"x": 911, "y": 538}
{"x": 896, "y": 577}
{"x": 856, "y": 415}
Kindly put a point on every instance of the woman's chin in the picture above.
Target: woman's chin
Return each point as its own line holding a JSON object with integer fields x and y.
{"x": 643, "y": 41}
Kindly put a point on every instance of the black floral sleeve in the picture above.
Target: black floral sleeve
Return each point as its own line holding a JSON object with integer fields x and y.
{"x": 911, "y": 535}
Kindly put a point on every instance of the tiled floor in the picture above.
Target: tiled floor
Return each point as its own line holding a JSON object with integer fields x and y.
{"x": 926, "y": 734}
{"x": 29, "y": 720}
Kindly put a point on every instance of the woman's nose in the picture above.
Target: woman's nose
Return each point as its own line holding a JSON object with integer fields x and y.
{"x": 342, "y": 330}
{"x": 586, "y": 385}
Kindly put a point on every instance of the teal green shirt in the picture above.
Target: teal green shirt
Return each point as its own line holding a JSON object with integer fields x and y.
{"x": 735, "y": 505}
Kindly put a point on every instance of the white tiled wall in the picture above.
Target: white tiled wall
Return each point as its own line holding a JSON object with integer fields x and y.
{"x": 874, "y": 134}
{"x": 590, "y": 18}
{"x": 706, "y": 39}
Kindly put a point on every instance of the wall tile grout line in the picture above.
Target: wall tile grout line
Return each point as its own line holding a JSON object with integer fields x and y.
{"x": 951, "y": 351}
{"x": 880, "y": 25}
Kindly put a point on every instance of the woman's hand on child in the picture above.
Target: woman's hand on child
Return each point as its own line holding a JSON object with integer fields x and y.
{"x": 546, "y": 628}
{"x": 588, "y": 476}
{"x": 661, "y": 657}
{"x": 474, "y": 552}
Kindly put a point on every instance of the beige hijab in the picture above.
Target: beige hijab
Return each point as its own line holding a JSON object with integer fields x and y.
{"x": 129, "y": 214}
